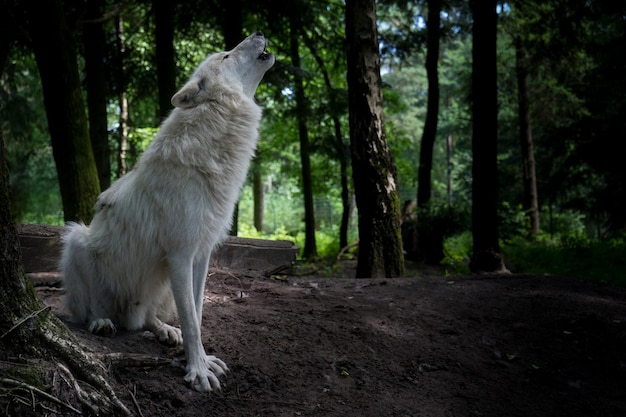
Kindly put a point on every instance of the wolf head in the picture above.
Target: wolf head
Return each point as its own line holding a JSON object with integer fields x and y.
{"x": 242, "y": 69}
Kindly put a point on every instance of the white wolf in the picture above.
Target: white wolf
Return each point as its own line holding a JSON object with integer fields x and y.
{"x": 155, "y": 228}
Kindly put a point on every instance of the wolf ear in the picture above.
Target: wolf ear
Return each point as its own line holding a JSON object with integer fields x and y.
{"x": 192, "y": 94}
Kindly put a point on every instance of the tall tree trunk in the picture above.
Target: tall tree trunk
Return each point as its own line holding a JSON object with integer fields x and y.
{"x": 449, "y": 189}
{"x": 122, "y": 84}
{"x": 346, "y": 206}
{"x": 55, "y": 52}
{"x": 259, "y": 199}
{"x": 486, "y": 256}
{"x": 232, "y": 24}
{"x": 96, "y": 86}
{"x": 310, "y": 246}
{"x": 342, "y": 149}
{"x": 432, "y": 112}
{"x": 40, "y": 339}
{"x": 373, "y": 167}
{"x": 165, "y": 60}
{"x": 529, "y": 177}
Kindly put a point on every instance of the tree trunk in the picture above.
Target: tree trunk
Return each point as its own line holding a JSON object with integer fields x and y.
{"x": 96, "y": 86}
{"x": 122, "y": 139}
{"x": 232, "y": 24}
{"x": 529, "y": 178}
{"x": 346, "y": 206}
{"x": 165, "y": 60}
{"x": 486, "y": 253}
{"x": 259, "y": 199}
{"x": 310, "y": 246}
{"x": 449, "y": 189}
{"x": 432, "y": 112}
{"x": 55, "y": 52}
{"x": 373, "y": 168}
{"x": 38, "y": 341}
{"x": 343, "y": 149}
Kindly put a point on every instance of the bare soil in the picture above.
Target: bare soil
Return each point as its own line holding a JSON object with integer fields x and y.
{"x": 501, "y": 345}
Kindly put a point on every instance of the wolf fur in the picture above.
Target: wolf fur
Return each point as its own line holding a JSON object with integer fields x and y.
{"x": 155, "y": 228}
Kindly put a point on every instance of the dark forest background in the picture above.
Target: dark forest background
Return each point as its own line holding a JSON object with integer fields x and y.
{"x": 559, "y": 78}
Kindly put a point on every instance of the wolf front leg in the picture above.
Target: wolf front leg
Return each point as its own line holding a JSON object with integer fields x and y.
{"x": 200, "y": 272}
{"x": 202, "y": 370}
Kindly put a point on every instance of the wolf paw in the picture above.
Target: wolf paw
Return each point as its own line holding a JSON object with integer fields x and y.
{"x": 203, "y": 378}
{"x": 216, "y": 365}
{"x": 169, "y": 335}
{"x": 103, "y": 327}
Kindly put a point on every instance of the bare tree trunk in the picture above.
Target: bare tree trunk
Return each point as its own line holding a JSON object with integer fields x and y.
{"x": 343, "y": 149}
{"x": 122, "y": 167}
{"x": 529, "y": 177}
{"x": 95, "y": 84}
{"x": 373, "y": 167}
{"x": 449, "y": 190}
{"x": 310, "y": 246}
{"x": 486, "y": 256}
{"x": 424, "y": 177}
{"x": 259, "y": 199}
{"x": 55, "y": 52}
{"x": 41, "y": 340}
{"x": 346, "y": 205}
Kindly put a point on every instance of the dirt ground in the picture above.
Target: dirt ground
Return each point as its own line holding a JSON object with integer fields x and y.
{"x": 507, "y": 345}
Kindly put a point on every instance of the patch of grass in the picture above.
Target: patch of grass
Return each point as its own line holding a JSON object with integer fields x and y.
{"x": 579, "y": 257}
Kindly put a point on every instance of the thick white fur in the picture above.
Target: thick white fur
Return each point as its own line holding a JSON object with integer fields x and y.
{"x": 158, "y": 224}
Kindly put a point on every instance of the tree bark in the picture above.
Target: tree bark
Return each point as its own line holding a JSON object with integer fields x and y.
{"x": 373, "y": 167}
{"x": 486, "y": 252}
{"x": 449, "y": 189}
{"x": 122, "y": 139}
{"x": 30, "y": 332}
{"x": 55, "y": 53}
{"x": 342, "y": 149}
{"x": 310, "y": 246}
{"x": 529, "y": 177}
{"x": 259, "y": 199}
{"x": 424, "y": 177}
{"x": 165, "y": 59}
{"x": 96, "y": 87}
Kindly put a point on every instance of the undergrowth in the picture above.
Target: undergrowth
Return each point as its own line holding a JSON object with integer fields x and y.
{"x": 575, "y": 256}
{"x": 579, "y": 257}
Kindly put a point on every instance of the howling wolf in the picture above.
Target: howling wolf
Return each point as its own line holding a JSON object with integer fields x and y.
{"x": 155, "y": 228}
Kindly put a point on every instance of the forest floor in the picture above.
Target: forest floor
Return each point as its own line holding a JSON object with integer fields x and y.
{"x": 493, "y": 345}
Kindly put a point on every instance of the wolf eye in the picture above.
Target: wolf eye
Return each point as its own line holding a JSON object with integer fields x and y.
{"x": 225, "y": 56}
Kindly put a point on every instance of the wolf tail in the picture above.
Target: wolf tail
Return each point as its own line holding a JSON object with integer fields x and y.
{"x": 77, "y": 269}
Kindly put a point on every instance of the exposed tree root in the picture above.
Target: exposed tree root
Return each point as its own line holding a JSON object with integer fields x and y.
{"x": 132, "y": 360}
{"x": 16, "y": 389}
{"x": 45, "y": 386}
{"x": 102, "y": 400}
{"x": 23, "y": 320}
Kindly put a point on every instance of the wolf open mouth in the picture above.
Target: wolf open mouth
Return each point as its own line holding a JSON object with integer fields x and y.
{"x": 263, "y": 56}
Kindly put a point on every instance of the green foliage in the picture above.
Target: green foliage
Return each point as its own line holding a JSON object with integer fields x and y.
{"x": 576, "y": 56}
{"x": 34, "y": 186}
{"x": 578, "y": 257}
{"x": 513, "y": 221}
{"x": 457, "y": 252}
{"x": 569, "y": 251}
{"x": 326, "y": 238}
